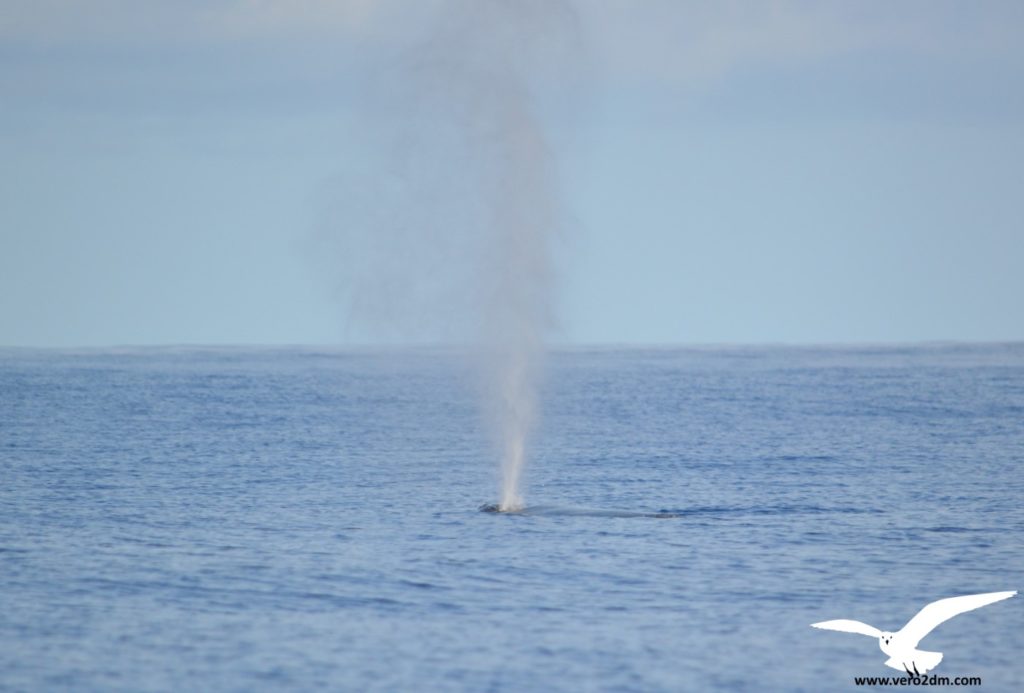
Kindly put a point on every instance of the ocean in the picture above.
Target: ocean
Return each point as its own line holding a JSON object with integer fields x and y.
{"x": 246, "y": 519}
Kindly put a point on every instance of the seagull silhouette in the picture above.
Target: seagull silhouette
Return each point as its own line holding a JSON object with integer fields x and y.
{"x": 901, "y": 646}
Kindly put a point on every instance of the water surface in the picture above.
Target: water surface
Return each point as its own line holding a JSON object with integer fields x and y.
{"x": 258, "y": 519}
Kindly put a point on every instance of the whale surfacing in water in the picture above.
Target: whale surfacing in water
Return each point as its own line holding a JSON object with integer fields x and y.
{"x": 549, "y": 511}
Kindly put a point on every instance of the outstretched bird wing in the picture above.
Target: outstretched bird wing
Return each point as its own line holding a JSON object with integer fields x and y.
{"x": 847, "y": 626}
{"x": 935, "y": 613}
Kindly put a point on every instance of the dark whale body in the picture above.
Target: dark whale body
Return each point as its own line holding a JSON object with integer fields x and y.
{"x": 541, "y": 510}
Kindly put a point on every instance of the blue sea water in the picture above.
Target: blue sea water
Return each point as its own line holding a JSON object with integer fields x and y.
{"x": 237, "y": 519}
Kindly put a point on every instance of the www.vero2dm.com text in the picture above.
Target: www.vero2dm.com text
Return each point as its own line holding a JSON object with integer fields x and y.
{"x": 932, "y": 680}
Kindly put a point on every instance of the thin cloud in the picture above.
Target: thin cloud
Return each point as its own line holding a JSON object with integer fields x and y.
{"x": 134, "y": 21}
{"x": 682, "y": 42}
{"x": 672, "y": 41}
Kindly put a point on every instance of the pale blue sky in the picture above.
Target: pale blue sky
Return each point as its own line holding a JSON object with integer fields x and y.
{"x": 737, "y": 172}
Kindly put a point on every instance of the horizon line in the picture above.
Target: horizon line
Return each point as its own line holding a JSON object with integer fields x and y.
{"x": 554, "y": 346}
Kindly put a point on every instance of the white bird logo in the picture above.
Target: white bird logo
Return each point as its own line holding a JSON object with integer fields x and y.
{"x": 901, "y": 646}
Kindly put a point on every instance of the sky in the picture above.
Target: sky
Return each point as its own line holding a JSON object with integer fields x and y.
{"x": 731, "y": 172}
